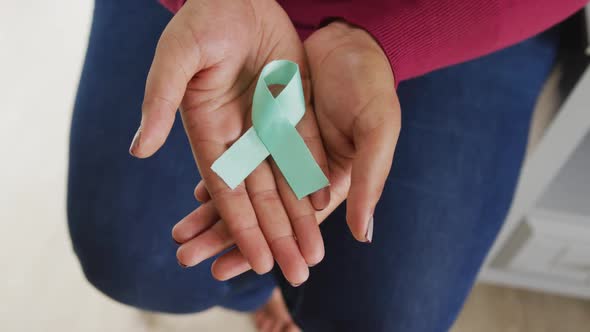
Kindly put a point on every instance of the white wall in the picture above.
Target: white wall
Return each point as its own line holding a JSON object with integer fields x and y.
{"x": 42, "y": 46}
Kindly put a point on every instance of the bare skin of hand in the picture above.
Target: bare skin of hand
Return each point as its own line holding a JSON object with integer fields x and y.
{"x": 207, "y": 62}
{"x": 274, "y": 315}
{"x": 360, "y": 119}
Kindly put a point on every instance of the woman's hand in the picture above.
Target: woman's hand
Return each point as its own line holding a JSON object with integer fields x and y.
{"x": 207, "y": 62}
{"x": 359, "y": 118}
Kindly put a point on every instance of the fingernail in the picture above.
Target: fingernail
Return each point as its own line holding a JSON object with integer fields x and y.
{"x": 182, "y": 265}
{"x": 369, "y": 234}
{"x": 320, "y": 200}
{"x": 296, "y": 285}
{"x": 135, "y": 142}
{"x": 173, "y": 239}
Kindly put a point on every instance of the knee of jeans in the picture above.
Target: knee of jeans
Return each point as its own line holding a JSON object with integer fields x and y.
{"x": 140, "y": 268}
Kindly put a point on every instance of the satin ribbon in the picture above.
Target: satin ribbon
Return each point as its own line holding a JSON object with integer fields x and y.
{"x": 273, "y": 133}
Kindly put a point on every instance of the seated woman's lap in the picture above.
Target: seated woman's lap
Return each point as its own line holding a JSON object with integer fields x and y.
{"x": 463, "y": 138}
{"x": 120, "y": 209}
{"x": 457, "y": 161}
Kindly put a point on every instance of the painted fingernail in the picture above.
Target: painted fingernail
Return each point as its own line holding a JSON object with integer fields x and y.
{"x": 369, "y": 234}
{"x": 135, "y": 142}
{"x": 182, "y": 265}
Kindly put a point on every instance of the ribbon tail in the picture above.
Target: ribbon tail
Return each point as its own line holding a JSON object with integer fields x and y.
{"x": 240, "y": 159}
{"x": 295, "y": 160}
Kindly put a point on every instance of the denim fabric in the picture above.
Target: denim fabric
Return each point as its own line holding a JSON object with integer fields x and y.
{"x": 458, "y": 158}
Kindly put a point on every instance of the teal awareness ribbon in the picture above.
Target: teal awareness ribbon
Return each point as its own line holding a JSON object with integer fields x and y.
{"x": 273, "y": 133}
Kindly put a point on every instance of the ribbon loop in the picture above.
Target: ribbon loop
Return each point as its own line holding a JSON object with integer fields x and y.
{"x": 273, "y": 133}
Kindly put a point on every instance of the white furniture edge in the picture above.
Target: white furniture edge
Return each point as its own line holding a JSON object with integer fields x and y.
{"x": 562, "y": 137}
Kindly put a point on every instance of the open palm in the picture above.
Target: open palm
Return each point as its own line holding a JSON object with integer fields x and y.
{"x": 359, "y": 118}
{"x": 207, "y": 62}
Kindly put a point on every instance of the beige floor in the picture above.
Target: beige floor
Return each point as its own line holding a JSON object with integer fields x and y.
{"x": 42, "y": 289}
{"x": 499, "y": 309}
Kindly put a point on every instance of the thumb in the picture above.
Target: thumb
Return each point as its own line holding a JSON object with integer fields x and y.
{"x": 176, "y": 61}
{"x": 375, "y": 133}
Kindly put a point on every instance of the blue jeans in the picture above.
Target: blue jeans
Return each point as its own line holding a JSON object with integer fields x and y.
{"x": 456, "y": 164}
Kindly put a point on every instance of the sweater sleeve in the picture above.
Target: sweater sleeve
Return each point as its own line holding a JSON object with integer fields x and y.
{"x": 172, "y": 5}
{"x": 419, "y": 36}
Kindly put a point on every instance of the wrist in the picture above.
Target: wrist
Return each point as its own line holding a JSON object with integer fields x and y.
{"x": 346, "y": 30}
{"x": 346, "y": 33}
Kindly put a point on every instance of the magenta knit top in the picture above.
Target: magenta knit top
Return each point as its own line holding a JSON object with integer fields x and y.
{"x": 419, "y": 36}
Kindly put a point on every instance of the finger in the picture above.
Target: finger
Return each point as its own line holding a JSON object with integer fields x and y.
{"x": 234, "y": 207}
{"x": 309, "y": 131}
{"x": 277, "y": 326}
{"x": 302, "y": 216}
{"x": 206, "y": 245}
{"x": 195, "y": 223}
{"x": 339, "y": 189}
{"x": 275, "y": 224}
{"x": 201, "y": 193}
{"x": 266, "y": 325}
{"x": 259, "y": 317}
{"x": 233, "y": 263}
{"x": 176, "y": 60}
{"x": 229, "y": 265}
{"x": 210, "y": 136}
{"x": 375, "y": 134}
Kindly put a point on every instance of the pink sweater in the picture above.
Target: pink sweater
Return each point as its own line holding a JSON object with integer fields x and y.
{"x": 420, "y": 36}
